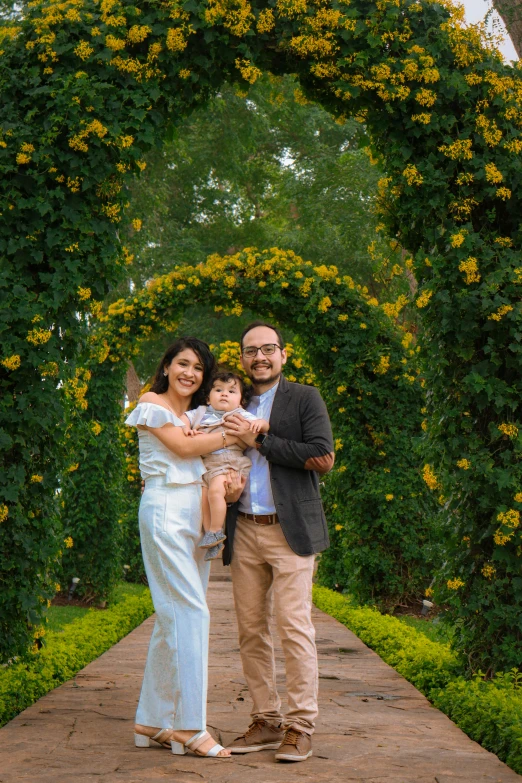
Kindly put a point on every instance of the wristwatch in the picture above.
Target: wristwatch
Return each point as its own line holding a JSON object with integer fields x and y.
{"x": 260, "y": 439}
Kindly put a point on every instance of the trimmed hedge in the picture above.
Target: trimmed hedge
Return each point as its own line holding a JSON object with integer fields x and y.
{"x": 66, "y": 652}
{"x": 490, "y": 712}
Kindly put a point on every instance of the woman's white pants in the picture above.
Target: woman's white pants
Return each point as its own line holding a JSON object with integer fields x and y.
{"x": 174, "y": 690}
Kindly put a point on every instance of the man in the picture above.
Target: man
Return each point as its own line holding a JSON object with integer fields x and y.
{"x": 273, "y": 534}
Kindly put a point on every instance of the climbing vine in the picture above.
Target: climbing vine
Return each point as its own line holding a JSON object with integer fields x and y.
{"x": 88, "y": 87}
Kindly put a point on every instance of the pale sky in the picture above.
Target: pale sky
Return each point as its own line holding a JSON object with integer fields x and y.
{"x": 476, "y": 10}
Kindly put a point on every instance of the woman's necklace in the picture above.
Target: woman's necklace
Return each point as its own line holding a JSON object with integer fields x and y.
{"x": 169, "y": 406}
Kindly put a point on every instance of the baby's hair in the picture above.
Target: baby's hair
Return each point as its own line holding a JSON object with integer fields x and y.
{"x": 226, "y": 377}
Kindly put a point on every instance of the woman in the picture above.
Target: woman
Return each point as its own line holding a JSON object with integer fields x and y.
{"x": 172, "y": 706}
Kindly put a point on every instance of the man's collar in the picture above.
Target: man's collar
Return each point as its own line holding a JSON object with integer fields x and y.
{"x": 271, "y": 391}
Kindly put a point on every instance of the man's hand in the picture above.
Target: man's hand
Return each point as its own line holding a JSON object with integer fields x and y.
{"x": 321, "y": 465}
{"x": 234, "y": 486}
{"x": 237, "y": 425}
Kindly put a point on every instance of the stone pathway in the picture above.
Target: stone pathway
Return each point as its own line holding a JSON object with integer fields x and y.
{"x": 373, "y": 727}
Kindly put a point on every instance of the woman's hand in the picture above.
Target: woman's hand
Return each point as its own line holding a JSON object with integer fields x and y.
{"x": 234, "y": 486}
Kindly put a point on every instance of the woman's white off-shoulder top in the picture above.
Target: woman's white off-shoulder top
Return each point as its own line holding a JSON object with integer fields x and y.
{"x": 155, "y": 458}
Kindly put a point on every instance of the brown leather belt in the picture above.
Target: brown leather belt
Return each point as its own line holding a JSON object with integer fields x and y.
{"x": 261, "y": 519}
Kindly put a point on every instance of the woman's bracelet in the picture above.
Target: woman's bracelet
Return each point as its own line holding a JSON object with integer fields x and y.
{"x": 224, "y": 440}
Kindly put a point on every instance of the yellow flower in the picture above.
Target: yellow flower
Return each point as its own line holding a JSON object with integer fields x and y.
{"x": 11, "y": 362}
{"x": 341, "y": 389}
{"x": 458, "y": 150}
{"x": 500, "y": 313}
{"x": 518, "y": 497}
{"x": 428, "y": 592}
{"x": 324, "y": 304}
{"x": 136, "y": 224}
{"x": 465, "y": 464}
{"x": 38, "y": 336}
{"x": 503, "y": 193}
{"x": 342, "y": 317}
{"x": 456, "y": 240}
{"x": 493, "y": 174}
{"x": 338, "y": 444}
{"x": 429, "y": 477}
{"x": 363, "y": 326}
{"x": 36, "y": 479}
{"x": 69, "y": 543}
{"x": 74, "y": 467}
{"x": 383, "y": 366}
{"x": 488, "y": 571}
{"x": 96, "y": 427}
{"x": 262, "y": 284}
{"x": 508, "y": 429}
{"x": 510, "y": 518}
{"x": 338, "y": 527}
{"x": 470, "y": 268}
{"x": 23, "y": 159}
{"x": 84, "y": 293}
{"x": 424, "y": 298}
{"x": 57, "y": 587}
{"x": 454, "y": 584}
{"x": 412, "y": 175}
{"x": 84, "y": 50}
{"x": 4, "y": 511}
{"x": 389, "y": 497}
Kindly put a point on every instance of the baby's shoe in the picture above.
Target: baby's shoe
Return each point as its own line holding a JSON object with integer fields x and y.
{"x": 211, "y": 539}
{"x": 214, "y": 551}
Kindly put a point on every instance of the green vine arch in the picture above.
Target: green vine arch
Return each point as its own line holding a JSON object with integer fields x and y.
{"x": 380, "y": 518}
{"x": 89, "y": 86}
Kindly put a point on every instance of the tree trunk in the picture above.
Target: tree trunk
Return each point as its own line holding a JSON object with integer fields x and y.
{"x": 511, "y": 14}
{"x": 133, "y": 384}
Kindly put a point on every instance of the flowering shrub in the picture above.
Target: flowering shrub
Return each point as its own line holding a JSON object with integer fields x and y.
{"x": 379, "y": 510}
{"x": 89, "y": 86}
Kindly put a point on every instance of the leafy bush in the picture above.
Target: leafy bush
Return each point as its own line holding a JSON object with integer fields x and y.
{"x": 65, "y": 653}
{"x": 490, "y": 712}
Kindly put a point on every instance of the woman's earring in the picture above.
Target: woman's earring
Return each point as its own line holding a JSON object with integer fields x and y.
{"x": 165, "y": 373}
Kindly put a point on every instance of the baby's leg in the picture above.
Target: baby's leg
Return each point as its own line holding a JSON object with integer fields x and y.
{"x": 217, "y": 502}
{"x": 205, "y": 509}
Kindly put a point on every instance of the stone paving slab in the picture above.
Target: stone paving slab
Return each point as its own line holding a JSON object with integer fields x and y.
{"x": 374, "y": 727}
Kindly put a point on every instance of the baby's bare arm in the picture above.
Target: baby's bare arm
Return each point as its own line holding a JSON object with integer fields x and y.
{"x": 187, "y": 429}
{"x": 259, "y": 425}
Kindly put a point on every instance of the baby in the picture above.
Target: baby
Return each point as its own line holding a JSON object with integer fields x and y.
{"x": 227, "y": 395}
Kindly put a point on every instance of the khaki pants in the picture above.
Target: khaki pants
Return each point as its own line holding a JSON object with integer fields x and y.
{"x": 261, "y": 559}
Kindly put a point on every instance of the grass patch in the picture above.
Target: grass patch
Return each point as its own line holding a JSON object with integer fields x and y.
{"x": 60, "y": 616}
{"x": 436, "y": 631}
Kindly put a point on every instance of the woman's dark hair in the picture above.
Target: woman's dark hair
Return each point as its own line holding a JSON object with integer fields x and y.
{"x": 226, "y": 377}
{"x": 160, "y": 383}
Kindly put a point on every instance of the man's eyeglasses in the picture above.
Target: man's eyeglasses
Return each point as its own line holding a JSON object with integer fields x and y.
{"x": 267, "y": 350}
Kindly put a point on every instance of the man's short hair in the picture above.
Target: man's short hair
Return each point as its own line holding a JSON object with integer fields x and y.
{"x": 255, "y": 324}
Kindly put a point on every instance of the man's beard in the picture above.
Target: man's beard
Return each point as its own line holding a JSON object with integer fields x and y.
{"x": 271, "y": 378}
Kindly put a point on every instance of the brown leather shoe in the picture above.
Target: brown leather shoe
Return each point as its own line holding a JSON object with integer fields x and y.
{"x": 260, "y": 735}
{"x": 296, "y": 746}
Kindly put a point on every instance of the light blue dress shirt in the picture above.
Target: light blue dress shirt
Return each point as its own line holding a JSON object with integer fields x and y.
{"x": 257, "y": 496}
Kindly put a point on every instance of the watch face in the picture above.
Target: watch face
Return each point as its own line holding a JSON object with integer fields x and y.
{"x": 260, "y": 438}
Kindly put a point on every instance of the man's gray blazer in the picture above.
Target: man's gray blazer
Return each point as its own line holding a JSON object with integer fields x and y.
{"x": 298, "y": 447}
